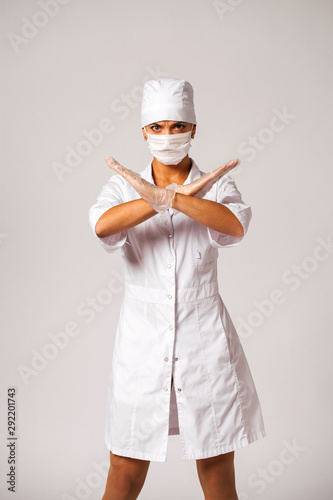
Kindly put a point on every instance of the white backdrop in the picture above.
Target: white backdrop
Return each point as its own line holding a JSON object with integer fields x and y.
{"x": 262, "y": 78}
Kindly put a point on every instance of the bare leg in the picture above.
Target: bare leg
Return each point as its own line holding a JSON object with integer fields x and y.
{"x": 217, "y": 477}
{"x": 126, "y": 478}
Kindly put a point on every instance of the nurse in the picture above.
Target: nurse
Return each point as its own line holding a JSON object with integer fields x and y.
{"x": 178, "y": 365}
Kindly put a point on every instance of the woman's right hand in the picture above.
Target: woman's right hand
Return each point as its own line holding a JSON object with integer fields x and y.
{"x": 159, "y": 198}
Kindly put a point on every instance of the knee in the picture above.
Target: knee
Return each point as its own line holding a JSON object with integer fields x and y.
{"x": 213, "y": 483}
{"x": 127, "y": 473}
{"x": 217, "y": 476}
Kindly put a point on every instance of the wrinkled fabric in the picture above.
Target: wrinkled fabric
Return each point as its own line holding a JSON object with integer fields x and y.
{"x": 167, "y": 99}
{"x": 178, "y": 366}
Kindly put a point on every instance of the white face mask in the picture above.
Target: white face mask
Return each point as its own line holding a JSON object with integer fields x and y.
{"x": 169, "y": 149}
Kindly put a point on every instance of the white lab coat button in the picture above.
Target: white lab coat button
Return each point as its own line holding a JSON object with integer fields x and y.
{"x": 169, "y": 266}
{"x": 166, "y": 359}
{"x": 170, "y": 235}
{"x": 165, "y": 389}
{"x": 170, "y": 327}
{"x": 169, "y": 296}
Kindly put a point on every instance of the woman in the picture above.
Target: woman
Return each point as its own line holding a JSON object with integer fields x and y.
{"x": 178, "y": 365}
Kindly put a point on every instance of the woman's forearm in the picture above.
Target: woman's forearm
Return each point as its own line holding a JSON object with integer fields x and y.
{"x": 122, "y": 217}
{"x": 209, "y": 213}
{"x": 206, "y": 212}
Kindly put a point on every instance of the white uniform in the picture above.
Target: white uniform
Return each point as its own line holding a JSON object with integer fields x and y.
{"x": 178, "y": 364}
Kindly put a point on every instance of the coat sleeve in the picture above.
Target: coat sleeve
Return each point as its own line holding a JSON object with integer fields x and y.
{"x": 227, "y": 194}
{"x": 111, "y": 195}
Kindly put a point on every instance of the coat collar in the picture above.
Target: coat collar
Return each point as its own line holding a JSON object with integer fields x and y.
{"x": 192, "y": 176}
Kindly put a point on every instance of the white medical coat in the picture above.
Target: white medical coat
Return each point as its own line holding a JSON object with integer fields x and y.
{"x": 178, "y": 365}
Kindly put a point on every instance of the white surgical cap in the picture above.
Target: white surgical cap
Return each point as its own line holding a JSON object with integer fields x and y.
{"x": 167, "y": 99}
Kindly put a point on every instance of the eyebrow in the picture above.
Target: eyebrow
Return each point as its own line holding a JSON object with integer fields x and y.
{"x": 176, "y": 123}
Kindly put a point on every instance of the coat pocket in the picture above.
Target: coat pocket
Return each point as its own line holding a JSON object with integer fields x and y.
{"x": 204, "y": 267}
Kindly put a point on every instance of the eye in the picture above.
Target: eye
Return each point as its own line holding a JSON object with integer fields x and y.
{"x": 155, "y": 128}
{"x": 179, "y": 126}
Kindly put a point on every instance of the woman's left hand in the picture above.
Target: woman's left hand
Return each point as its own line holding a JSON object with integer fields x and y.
{"x": 201, "y": 186}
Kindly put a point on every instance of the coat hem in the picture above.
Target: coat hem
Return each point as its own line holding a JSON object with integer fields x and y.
{"x": 225, "y": 449}
{"x": 130, "y": 453}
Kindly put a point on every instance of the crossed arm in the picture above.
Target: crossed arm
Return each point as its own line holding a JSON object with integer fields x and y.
{"x": 206, "y": 212}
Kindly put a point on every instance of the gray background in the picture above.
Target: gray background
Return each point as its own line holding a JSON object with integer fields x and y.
{"x": 73, "y": 66}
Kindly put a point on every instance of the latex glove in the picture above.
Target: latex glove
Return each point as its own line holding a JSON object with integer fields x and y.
{"x": 201, "y": 186}
{"x": 159, "y": 198}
